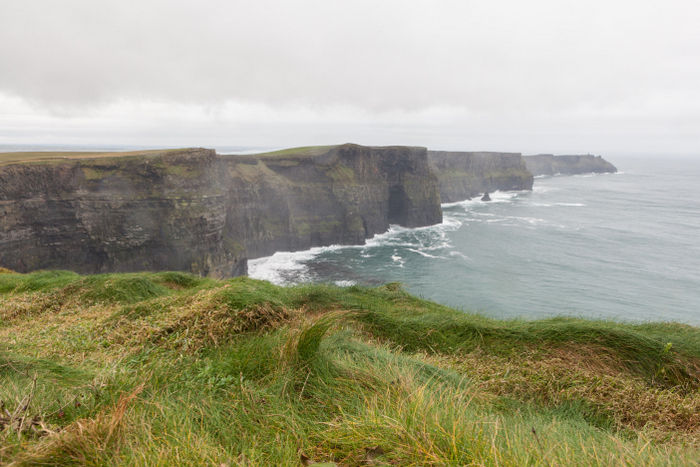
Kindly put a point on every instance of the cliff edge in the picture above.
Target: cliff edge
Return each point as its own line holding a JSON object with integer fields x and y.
{"x": 195, "y": 210}
{"x": 464, "y": 175}
{"x": 548, "y": 164}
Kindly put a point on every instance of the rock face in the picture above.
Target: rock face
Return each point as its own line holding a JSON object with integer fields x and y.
{"x": 464, "y": 175}
{"x": 198, "y": 211}
{"x": 547, "y": 164}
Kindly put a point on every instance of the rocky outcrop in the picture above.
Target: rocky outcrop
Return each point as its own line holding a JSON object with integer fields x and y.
{"x": 548, "y": 164}
{"x": 198, "y": 211}
{"x": 464, "y": 175}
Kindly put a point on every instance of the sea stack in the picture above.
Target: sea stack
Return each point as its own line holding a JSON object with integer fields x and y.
{"x": 486, "y": 197}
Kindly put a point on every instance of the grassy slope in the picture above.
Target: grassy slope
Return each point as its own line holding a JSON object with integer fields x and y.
{"x": 47, "y": 156}
{"x": 170, "y": 369}
{"x": 307, "y": 151}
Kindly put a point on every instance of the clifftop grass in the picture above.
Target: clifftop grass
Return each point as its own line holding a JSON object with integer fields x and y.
{"x": 172, "y": 369}
{"x": 49, "y": 156}
{"x": 307, "y": 151}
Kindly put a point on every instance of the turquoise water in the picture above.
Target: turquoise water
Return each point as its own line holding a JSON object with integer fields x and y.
{"x": 621, "y": 246}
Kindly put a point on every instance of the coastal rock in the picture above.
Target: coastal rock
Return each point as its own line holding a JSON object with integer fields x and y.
{"x": 463, "y": 175}
{"x": 548, "y": 164}
{"x": 486, "y": 197}
{"x": 195, "y": 210}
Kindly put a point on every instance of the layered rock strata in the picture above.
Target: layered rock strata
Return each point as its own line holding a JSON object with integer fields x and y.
{"x": 465, "y": 175}
{"x": 548, "y": 164}
{"x": 198, "y": 211}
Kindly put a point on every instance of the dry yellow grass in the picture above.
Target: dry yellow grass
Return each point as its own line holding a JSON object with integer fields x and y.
{"x": 60, "y": 325}
{"x": 585, "y": 373}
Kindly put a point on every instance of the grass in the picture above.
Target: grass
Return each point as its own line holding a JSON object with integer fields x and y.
{"x": 173, "y": 369}
{"x": 306, "y": 151}
{"x": 46, "y": 156}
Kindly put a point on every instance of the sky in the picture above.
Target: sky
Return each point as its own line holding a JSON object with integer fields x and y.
{"x": 544, "y": 76}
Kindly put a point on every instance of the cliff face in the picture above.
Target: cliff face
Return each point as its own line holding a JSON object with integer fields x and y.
{"x": 547, "y": 164}
{"x": 464, "y": 175}
{"x": 198, "y": 211}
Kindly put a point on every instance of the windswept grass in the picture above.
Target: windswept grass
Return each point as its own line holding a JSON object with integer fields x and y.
{"x": 172, "y": 369}
{"x": 47, "y": 156}
{"x": 306, "y": 151}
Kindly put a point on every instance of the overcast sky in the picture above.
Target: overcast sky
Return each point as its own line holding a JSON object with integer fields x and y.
{"x": 547, "y": 76}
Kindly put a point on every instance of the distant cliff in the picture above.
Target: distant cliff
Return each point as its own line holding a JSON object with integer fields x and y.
{"x": 547, "y": 164}
{"x": 198, "y": 211}
{"x": 464, "y": 175}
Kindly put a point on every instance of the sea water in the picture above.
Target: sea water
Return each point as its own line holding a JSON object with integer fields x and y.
{"x": 622, "y": 246}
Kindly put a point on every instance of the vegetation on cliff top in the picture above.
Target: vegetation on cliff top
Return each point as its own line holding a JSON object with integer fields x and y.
{"x": 53, "y": 156}
{"x": 301, "y": 151}
{"x": 172, "y": 369}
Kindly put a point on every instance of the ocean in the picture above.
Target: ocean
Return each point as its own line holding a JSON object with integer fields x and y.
{"x": 618, "y": 246}
{"x": 623, "y": 246}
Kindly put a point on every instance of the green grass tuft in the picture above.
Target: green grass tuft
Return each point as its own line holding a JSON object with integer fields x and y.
{"x": 118, "y": 288}
{"x": 172, "y": 369}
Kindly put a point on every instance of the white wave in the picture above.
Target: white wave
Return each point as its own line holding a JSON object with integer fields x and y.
{"x": 425, "y": 254}
{"x": 503, "y": 196}
{"x": 460, "y": 254}
{"x": 429, "y": 237}
{"x": 445, "y": 243}
{"x": 449, "y": 222}
{"x": 529, "y": 220}
{"x": 543, "y": 189}
{"x": 284, "y": 267}
{"x": 496, "y": 197}
{"x": 465, "y": 203}
{"x": 278, "y": 267}
{"x": 569, "y": 204}
{"x": 398, "y": 259}
{"x": 344, "y": 283}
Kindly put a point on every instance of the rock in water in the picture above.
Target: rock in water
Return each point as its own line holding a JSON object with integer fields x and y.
{"x": 486, "y": 197}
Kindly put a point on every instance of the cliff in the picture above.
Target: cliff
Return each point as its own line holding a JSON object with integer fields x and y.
{"x": 547, "y": 164}
{"x": 195, "y": 210}
{"x": 464, "y": 175}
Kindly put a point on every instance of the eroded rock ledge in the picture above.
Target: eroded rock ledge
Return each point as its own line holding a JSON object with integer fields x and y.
{"x": 198, "y": 211}
{"x": 464, "y": 175}
{"x": 548, "y": 164}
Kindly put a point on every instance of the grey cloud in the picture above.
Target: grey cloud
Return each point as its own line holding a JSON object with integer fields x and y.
{"x": 478, "y": 55}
